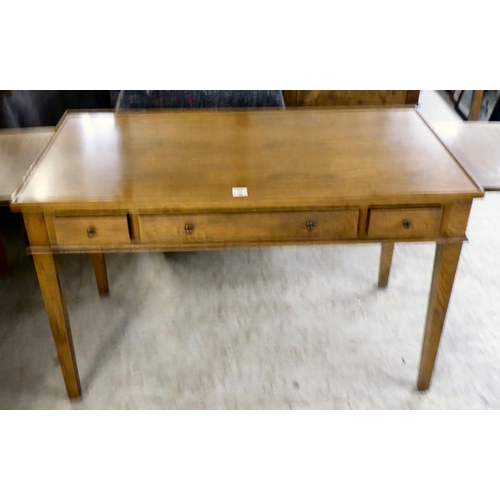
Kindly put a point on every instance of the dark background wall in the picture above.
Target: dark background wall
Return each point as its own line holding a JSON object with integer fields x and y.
{"x": 39, "y": 108}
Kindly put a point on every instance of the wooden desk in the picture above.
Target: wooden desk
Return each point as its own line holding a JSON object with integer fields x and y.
{"x": 18, "y": 150}
{"x": 477, "y": 146}
{"x": 160, "y": 181}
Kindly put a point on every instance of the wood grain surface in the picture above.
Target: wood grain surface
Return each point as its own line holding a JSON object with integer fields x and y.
{"x": 191, "y": 161}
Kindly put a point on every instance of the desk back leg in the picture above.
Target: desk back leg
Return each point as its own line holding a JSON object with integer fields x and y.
{"x": 101, "y": 275}
{"x": 385, "y": 264}
{"x": 443, "y": 276}
{"x": 55, "y": 305}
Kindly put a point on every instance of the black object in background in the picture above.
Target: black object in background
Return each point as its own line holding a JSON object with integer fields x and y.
{"x": 41, "y": 108}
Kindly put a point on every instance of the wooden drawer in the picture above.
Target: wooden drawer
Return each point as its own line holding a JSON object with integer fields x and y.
{"x": 91, "y": 230}
{"x": 404, "y": 222}
{"x": 253, "y": 227}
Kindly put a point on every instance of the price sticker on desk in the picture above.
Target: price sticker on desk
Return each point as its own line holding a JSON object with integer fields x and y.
{"x": 239, "y": 192}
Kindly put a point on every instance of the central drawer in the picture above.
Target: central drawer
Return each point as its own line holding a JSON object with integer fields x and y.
{"x": 250, "y": 227}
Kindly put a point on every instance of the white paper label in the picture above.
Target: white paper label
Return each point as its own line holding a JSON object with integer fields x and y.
{"x": 238, "y": 192}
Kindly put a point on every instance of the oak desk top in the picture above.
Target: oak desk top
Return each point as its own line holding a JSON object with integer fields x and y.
{"x": 18, "y": 150}
{"x": 185, "y": 161}
{"x": 477, "y": 146}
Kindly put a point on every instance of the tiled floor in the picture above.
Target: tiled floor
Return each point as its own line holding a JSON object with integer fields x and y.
{"x": 277, "y": 328}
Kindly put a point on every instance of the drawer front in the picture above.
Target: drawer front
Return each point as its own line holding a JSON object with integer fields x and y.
{"x": 91, "y": 230}
{"x": 404, "y": 222}
{"x": 255, "y": 227}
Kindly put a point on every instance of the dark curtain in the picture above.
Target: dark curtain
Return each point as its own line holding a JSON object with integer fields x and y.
{"x": 39, "y": 108}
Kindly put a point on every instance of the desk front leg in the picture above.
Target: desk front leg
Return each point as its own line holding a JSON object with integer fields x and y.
{"x": 443, "y": 276}
{"x": 53, "y": 297}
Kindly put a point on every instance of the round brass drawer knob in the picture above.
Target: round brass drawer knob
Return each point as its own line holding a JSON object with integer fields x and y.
{"x": 188, "y": 228}
{"x": 310, "y": 225}
{"x": 406, "y": 223}
{"x": 91, "y": 231}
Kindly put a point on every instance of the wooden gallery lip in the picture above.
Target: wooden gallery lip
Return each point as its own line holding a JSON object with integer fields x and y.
{"x": 151, "y": 181}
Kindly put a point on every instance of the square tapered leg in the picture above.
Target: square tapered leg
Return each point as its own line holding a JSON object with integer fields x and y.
{"x": 55, "y": 305}
{"x": 443, "y": 276}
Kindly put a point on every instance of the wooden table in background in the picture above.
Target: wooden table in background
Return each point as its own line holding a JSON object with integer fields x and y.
{"x": 476, "y": 145}
{"x": 350, "y": 97}
{"x": 164, "y": 181}
{"x": 18, "y": 150}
